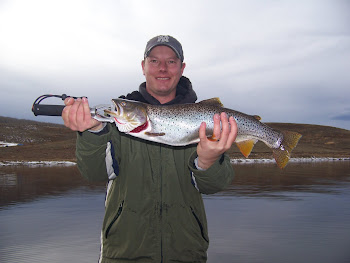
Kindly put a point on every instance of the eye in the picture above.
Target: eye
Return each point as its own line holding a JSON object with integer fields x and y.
{"x": 123, "y": 103}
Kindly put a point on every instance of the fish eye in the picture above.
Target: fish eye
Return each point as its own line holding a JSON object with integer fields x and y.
{"x": 123, "y": 103}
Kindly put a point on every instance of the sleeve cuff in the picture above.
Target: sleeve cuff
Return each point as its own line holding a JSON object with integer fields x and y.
{"x": 100, "y": 130}
{"x": 197, "y": 166}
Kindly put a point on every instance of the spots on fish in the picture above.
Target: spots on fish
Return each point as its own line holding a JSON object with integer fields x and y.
{"x": 178, "y": 125}
{"x": 181, "y": 124}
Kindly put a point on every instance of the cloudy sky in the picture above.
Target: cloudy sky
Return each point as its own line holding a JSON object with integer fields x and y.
{"x": 287, "y": 61}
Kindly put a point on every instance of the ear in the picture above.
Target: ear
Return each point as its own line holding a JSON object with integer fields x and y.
{"x": 143, "y": 66}
{"x": 183, "y": 67}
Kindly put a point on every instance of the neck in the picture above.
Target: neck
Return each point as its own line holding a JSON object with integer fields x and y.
{"x": 163, "y": 98}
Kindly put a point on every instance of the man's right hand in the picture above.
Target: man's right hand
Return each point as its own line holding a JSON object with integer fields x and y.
{"x": 76, "y": 115}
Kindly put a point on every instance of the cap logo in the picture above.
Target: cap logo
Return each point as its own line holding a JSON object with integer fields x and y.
{"x": 163, "y": 39}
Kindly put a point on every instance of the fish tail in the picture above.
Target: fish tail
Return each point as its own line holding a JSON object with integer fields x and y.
{"x": 282, "y": 154}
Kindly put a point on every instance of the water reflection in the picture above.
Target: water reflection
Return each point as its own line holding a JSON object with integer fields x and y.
{"x": 49, "y": 214}
{"x": 23, "y": 183}
{"x": 300, "y": 214}
{"x": 266, "y": 180}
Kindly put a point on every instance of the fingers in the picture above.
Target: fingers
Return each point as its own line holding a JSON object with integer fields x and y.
{"x": 68, "y": 101}
{"x": 65, "y": 113}
{"x": 229, "y": 131}
{"x": 208, "y": 150}
{"x": 83, "y": 115}
{"x": 225, "y": 127}
{"x": 222, "y": 130}
{"x": 80, "y": 116}
{"x": 73, "y": 118}
{"x": 224, "y": 133}
{"x": 76, "y": 115}
{"x": 86, "y": 109}
{"x": 202, "y": 134}
{"x": 217, "y": 129}
{"x": 233, "y": 131}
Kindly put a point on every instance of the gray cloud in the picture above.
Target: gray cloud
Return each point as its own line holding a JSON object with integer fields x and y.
{"x": 256, "y": 56}
{"x": 342, "y": 117}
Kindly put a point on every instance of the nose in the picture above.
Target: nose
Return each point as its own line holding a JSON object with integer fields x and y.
{"x": 163, "y": 66}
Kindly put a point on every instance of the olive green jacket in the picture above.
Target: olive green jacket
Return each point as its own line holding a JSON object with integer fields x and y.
{"x": 154, "y": 209}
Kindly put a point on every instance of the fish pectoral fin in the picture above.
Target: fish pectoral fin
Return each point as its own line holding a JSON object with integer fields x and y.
{"x": 213, "y": 138}
{"x": 246, "y": 147}
{"x": 155, "y": 134}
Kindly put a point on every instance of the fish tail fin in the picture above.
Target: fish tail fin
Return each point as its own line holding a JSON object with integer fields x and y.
{"x": 282, "y": 154}
{"x": 246, "y": 147}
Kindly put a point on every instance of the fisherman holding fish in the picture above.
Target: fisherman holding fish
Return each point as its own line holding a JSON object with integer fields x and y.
{"x": 154, "y": 209}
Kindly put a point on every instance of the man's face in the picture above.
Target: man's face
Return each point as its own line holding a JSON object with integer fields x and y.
{"x": 163, "y": 70}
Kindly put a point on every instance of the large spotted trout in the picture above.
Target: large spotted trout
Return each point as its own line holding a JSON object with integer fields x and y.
{"x": 178, "y": 125}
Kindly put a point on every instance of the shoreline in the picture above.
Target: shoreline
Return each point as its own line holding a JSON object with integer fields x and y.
{"x": 233, "y": 161}
{"x": 292, "y": 160}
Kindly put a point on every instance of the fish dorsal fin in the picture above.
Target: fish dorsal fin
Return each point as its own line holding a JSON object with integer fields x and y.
{"x": 213, "y": 102}
{"x": 246, "y": 147}
{"x": 257, "y": 117}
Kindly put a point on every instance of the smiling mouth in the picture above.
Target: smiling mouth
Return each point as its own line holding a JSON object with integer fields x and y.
{"x": 163, "y": 78}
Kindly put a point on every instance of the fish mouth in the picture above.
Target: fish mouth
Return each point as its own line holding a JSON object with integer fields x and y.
{"x": 118, "y": 112}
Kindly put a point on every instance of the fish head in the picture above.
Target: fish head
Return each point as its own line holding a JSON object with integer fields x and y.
{"x": 128, "y": 115}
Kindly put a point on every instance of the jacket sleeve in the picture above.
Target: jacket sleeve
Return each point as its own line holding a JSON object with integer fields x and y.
{"x": 216, "y": 178}
{"x": 91, "y": 155}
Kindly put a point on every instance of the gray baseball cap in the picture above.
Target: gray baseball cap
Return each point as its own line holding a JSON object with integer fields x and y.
{"x": 165, "y": 40}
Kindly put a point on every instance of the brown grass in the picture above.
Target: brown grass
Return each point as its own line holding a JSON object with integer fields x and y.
{"x": 54, "y": 142}
{"x": 41, "y": 141}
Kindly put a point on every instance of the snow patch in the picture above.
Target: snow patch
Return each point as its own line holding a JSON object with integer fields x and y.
{"x": 8, "y": 144}
{"x": 38, "y": 163}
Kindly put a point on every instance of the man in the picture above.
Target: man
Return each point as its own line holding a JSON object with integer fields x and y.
{"x": 154, "y": 209}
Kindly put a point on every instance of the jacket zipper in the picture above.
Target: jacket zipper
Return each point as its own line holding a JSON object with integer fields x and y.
{"x": 115, "y": 218}
{"x": 199, "y": 224}
{"x": 161, "y": 205}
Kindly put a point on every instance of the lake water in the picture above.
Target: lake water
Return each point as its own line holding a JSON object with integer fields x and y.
{"x": 300, "y": 214}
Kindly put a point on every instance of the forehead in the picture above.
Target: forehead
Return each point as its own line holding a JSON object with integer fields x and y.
{"x": 162, "y": 51}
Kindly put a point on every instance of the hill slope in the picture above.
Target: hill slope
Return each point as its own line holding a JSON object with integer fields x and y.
{"x": 317, "y": 141}
{"x": 47, "y": 141}
{"x": 41, "y": 141}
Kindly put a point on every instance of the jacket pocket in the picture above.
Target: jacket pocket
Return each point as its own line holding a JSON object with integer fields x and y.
{"x": 120, "y": 209}
{"x": 203, "y": 232}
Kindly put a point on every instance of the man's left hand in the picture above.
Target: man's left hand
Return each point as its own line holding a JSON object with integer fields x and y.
{"x": 210, "y": 149}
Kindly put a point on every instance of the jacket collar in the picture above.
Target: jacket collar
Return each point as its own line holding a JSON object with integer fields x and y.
{"x": 184, "y": 93}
